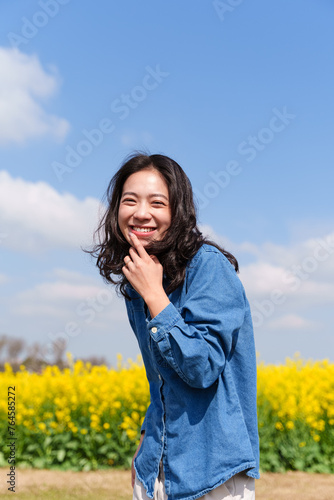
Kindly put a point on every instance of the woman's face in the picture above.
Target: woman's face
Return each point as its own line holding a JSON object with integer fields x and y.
{"x": 144, "y": 206}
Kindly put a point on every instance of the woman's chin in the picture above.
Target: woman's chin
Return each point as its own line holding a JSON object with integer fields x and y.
{"x": 144, "y": 241}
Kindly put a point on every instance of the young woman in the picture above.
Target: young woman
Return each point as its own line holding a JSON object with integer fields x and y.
{"x": 189, "y": 312}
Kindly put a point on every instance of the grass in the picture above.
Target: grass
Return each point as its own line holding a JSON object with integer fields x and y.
{"x": 34, "y": 484}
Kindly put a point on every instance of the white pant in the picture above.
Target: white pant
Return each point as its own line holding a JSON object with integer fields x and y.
{"x": 238, "y": 487}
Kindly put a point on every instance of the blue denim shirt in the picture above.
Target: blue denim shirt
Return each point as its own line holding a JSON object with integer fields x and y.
{"x": 200, "y": 361}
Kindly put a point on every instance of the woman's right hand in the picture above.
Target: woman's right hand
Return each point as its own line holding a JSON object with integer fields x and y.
{"x": 133, "y": 472}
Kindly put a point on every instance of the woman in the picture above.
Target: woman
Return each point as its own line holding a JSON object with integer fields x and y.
{"x": 192, "y": 320}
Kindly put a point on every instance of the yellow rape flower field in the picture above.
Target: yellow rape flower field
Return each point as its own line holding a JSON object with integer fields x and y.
{"x": 88, "y": 417}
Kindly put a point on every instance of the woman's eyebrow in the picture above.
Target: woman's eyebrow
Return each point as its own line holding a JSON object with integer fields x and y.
{"x": 131, "y": 193}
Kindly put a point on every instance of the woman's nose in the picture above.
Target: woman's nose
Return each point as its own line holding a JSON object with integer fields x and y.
{"x": 142, "y": 211}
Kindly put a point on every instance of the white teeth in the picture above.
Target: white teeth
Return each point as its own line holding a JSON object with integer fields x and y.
{"x": 143, "y": 229}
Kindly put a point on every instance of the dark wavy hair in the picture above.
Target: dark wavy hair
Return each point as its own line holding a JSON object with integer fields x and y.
{"x": 181, "y": 240}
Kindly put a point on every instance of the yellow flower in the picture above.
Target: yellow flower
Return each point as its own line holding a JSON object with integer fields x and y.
{"x": 135, "y": 416}
{"x": 100, "y": 398}
{"x": 131, "y": 434}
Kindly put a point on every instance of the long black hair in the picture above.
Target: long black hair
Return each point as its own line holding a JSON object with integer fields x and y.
{"x": 181, "y": 240}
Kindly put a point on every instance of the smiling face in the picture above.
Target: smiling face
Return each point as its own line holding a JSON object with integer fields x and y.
{"x": 144, "y": 207}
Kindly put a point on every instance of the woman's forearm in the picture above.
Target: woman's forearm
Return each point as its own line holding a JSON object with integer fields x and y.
{"x": 157, "y": 302}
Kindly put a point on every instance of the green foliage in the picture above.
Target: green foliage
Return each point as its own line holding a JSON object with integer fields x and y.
{"x": 68, "y": 451}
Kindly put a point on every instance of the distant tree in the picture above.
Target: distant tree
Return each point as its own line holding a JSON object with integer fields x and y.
{"x": 36, "y": 357}
{"x": 59, "y": 348}
{"x": 34, "y": 360}
{"x": 14, "y": 348}
{"x": 95, "y": 360}
{"x": 3, "y": 342}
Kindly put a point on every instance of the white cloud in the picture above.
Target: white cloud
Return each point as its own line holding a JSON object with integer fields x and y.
{"x": 24, "y": 87}
{"x": 66, "y": 294}
{"x": 285, "y": 282}
{"x": 291, "y": 321}
{"x": 283, "y": 256}
{"x": 304, "y": 273}
{"x": 58, "y": 291}
{"x": 65, "y": 299}
{"x": 320, "y": 249}
{"x": 310, "y": 262}
{"x": 72, "y": 276}
{"x": 57, "y": 299}
{"x": 261, "y": 278}
{"x": 36, "y": 217}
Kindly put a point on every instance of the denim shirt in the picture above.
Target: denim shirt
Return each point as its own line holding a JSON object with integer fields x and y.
{"x": 200, "y": 361}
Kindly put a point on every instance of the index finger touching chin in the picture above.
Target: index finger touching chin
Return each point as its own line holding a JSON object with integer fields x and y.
{"x": 138, "y": 245}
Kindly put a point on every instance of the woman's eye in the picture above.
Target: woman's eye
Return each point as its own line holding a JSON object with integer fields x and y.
{"x": 158, "y": 203}
{"x": 129, "y": 199}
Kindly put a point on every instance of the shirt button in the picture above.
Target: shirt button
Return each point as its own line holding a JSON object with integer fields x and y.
{"x": 159, "y": 377}
{"x": 154, "y": 329}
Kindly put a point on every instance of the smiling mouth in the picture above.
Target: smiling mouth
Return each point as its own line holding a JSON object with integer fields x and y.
{"x": 142, "y": 230}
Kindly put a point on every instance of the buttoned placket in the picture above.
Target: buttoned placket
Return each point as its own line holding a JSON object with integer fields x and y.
{"x": 163, "y": 436}
{"x": 154, "y": 330}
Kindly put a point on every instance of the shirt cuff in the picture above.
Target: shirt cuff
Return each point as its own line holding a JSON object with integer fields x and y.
{"x": 159, "y": 327}
{"x": 163, "y": 322}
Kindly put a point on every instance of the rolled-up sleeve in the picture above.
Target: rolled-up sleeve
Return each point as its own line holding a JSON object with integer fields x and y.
{"x": 197, "y": 339}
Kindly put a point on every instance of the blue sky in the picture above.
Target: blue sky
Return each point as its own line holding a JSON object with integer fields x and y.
{"x": 239, "y": 93}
